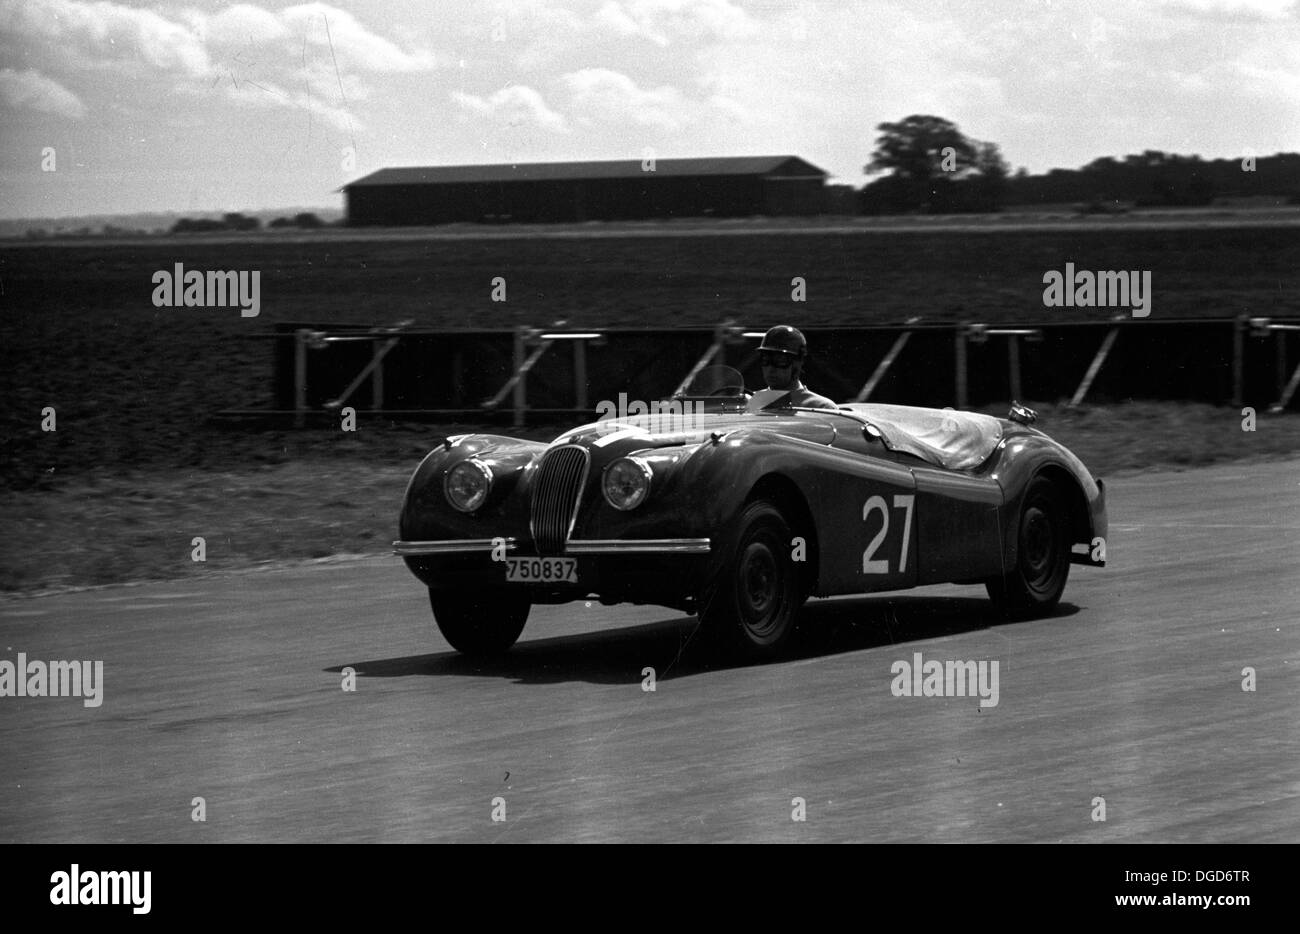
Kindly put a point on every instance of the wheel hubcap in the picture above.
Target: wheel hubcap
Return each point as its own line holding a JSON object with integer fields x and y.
{"x": 1038, "y": 546}
{"x": 760, "y": 589}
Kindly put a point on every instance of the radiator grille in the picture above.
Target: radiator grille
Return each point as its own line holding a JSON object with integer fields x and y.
{"x": 557, "y": 491}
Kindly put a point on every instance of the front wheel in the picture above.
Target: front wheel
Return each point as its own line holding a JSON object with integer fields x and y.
{"x": 1034, "y": 586}
{"x": 479, "y": 624}
{"x": 757, "y": 593}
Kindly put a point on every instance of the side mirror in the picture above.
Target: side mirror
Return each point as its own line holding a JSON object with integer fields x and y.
{"x": 1022, "y": 414}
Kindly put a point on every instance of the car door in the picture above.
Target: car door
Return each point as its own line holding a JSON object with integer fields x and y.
{"x": 866, "y": 514}
{"x": 958, "y": 533}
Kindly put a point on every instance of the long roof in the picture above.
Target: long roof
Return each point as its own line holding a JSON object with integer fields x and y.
{"x": 581, "y": 171}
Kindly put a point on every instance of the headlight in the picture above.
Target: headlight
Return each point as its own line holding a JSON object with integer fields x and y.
{"x": 467, "y": 485}
{"x": 626, "y": 483}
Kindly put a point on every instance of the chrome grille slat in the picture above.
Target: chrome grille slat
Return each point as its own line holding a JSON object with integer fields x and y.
{"x": 557, "y": 493}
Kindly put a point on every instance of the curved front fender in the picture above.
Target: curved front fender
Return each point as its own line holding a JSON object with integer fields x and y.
{"x": 426, "y": 515}
{"x": 1024, "y": 456}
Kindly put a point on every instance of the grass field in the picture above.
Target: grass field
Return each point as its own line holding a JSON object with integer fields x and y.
{"x": 133, "y": 385}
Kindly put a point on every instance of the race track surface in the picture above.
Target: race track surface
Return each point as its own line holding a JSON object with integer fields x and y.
{"x": 231, "y": 690}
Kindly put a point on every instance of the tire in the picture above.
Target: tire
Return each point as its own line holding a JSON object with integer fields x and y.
{"x": 755, "y": 596}
{"x": 1035, "y": 586}
{"x": 479, "y": 624}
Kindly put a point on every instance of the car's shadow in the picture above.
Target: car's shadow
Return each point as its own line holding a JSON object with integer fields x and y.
{"x": 676, "y": 648}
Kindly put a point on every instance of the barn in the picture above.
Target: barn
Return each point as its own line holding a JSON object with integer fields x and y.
{"x": 559, "y": 192}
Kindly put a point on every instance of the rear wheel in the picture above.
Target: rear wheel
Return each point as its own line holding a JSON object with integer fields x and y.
{"x": 757, "y": 594}
{"x": 479, "y": 624}
{"x": 1034, "y": 586}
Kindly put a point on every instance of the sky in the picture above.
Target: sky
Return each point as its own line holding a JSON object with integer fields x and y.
{"x": 118, "y": 107}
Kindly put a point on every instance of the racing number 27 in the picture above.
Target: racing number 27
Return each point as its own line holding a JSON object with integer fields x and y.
{"x": 872, "y": 565}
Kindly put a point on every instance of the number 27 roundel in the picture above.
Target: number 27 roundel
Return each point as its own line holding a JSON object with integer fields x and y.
{"x": 889, "y": 533}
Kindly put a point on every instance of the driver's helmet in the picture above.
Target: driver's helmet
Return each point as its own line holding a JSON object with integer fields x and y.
{"x": 786, "y": 340}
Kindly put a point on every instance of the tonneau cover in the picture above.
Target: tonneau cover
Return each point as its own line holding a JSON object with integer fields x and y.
{"x": 951, "y": 439}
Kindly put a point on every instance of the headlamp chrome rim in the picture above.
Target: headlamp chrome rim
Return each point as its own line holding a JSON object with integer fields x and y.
{"x": 646, "y": 473}
{"x": 476, "y": 501}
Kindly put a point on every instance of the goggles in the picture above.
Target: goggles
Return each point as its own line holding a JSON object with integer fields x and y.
{"x": 776, "y": 358}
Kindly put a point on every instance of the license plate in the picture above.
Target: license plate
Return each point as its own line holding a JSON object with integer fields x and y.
{"x": 542, "y": 570}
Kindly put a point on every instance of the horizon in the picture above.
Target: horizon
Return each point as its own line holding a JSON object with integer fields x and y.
{"x": 341, "y": 209}
{"x": 278, "y": 104}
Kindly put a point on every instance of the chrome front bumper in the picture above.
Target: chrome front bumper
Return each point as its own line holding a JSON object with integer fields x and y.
{"x": 603, "y": 546}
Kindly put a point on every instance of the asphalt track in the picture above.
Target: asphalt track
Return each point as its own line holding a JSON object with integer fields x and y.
{"x": 230, "y": 690}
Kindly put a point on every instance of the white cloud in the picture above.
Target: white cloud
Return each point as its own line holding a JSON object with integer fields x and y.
{"x": 352, "y": 43}
{"x": 107, "y": 31}
{"x": 1235, "y": 9}
{"x": 268, "y": 96}
{"x": 602, "y": 95}
{"x": 30, "y": 90}
{"x": 660, "y": 20}
{"x": 190, "y": 42}
{"x": 512, "y": 105}
{"x": 613, "y": 16}
{"x": 320, "y": 52}
{"x": 237, "y": 25}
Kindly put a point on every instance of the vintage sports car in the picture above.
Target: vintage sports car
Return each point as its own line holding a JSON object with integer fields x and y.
{"x": 738, "y": 507}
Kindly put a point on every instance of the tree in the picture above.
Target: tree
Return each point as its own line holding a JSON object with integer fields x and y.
{"x": 934, "y": 168}
{"x": 914, "y": 148}
{"x": 238, "y": 221}
{"x": 989, "y": 182}
{"x": 989, "y": 163}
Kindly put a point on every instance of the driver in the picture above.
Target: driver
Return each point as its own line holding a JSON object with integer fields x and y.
{"x": 782, "y": 355}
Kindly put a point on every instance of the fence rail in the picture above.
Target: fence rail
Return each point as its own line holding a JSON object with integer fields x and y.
{"x": 405, "y": 371}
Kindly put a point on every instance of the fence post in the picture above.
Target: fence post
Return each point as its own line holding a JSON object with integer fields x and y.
{"x": 377, "y": 376}
{"x": 299, "y": 378}
{"x": 886, "y": 362}
{"x": 580, "y": 373}
{"x": 1238, "y": 380}
{"x": 1095, "y": 366}
{"x": 961, "y": 363}
{"x": 1013, "y": 360}
{"x": 1281, "y": 360}
{"x": 520, "y": 393}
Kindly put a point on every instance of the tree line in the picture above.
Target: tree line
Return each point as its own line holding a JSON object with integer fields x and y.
{"x": 237, "y": 221}
{"x": 934, "y": 168}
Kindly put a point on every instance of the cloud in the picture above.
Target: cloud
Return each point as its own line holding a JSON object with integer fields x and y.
{"x": 658, "y": 21}
{"x": 350, "y": 41}
{"x": 602, "y": 95}
{"x": 512, "y": 105}
{"x": 191, "y": 41}
{"x": 322, "y": 53}
{"x": 1234, "y": 9}
{"x": 30, "y": 90}
{"x": 107, "y": 31}
{"x": 266, "y": 95}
